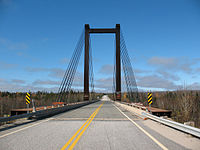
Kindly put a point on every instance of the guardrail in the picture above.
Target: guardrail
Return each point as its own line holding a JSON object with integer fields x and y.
{"x": 134, "y": 105}
{"x": 179, "y": 126}
{"x": 185, "y": 128}
{"x": 46, "y": 112}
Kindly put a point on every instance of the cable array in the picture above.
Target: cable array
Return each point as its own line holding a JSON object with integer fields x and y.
{"x": 68, "y": 78}
{"x": 131, "y": 85}
{"x": 114, "y": 77}
{"x": 91, "y": 73}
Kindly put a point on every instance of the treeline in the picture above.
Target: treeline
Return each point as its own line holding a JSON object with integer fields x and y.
{"x": 10, "y": 101}
{"x": 185, "y": 105}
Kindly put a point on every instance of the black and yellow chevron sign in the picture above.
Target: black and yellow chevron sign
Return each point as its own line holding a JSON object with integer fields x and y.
{"x": 150, "y": 98}
{"x": 28, "y": 98}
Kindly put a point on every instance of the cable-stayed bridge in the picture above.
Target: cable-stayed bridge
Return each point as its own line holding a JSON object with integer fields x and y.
{"x": 121, "y": 57}
{"x": 107, "y": 123}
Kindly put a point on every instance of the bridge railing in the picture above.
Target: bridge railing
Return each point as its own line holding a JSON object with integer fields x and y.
{"x": 179, "y": 126}
{"x": 46, "y": 112}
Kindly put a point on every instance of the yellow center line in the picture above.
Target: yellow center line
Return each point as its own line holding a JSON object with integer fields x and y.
{"x": 77, "y": 132}
{"x": 79, "y": 136}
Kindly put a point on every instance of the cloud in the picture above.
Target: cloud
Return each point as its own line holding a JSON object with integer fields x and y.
{"x": 18, "y": 81}
{"x": 2, "y": 81}
{"x": 24, "y": 88}
{"x": 64, "y": 61}
{"x": 101, "y": 85}
{"x": 52, "y": 72}
{"x": 4, "y": 65}
{"x": 194, "y": 86}
{"x": 106, "y": 69}
{"x": 17, "y": 85}
{"x": 29, "y": 69}
{"x": 56, "y": 73}
{"x": 197, "y": 69}
{"x": 138, "y": 71}
{"x": 154, "y": 81}
{"x": 168, "y": 75}
{"x": 10, "y": 45}
{"x": 38, "y": 85}
{"x": 46, "y": 82}
{"x": 17, "y": 46}
{"x": 173, "y": 64}
{"x": 161, "y": 61}
{"x": 78, "y": 80}
{"x": 104, "y": 84}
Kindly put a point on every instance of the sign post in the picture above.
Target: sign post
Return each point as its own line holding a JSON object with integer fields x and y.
{"x": 34, "y": 110}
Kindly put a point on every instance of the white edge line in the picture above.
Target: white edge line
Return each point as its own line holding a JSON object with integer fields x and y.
{"x": 155, "y": 140}
{"x": 25, "y": 128}
{"x": 138, "y": 115}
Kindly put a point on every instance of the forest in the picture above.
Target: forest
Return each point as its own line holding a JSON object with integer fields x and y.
{"x": 15, "y": 100}
{"x": 185, "y": 104}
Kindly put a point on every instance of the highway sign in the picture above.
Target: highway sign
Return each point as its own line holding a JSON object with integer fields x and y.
{"x": 28, "y": 98}
{"x": 149, "y": 98}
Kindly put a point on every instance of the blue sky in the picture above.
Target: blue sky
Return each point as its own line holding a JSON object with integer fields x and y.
{"x": 37, "y": 39}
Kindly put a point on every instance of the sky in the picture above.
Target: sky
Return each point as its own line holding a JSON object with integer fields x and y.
{"x": 37, "y": 39}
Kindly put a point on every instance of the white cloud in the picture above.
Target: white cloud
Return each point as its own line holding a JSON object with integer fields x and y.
{"x": 18, "y": 85}
{"x": 162, "y": 61}
{"x": 18, "y": 81}
{"x": 167, "y": 75}
{"x": 10, "y": 45}
{"x": 154, "y": 81}
{"x": 138, "y": 71}
{"x": 104, "y": 84}
{"x": 173, "y": 64}
{"x": 64, "y": 61}
{"x": 107, "y": 69}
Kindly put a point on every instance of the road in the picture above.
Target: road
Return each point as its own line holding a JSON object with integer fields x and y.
{"x": 98, "y": 126}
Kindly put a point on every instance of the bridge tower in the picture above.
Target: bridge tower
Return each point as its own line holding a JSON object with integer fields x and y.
{"x": 89, "y": 31}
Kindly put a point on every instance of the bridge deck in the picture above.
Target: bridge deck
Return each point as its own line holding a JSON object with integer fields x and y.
{"x": 110, "y": 129}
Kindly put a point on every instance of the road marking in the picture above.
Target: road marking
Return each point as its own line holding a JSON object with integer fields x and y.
{"x": 71, "y": 139}
{"x": 79, "y": 136}
{"x": 77, "y": 132}
{"x": 25, "y": 128}
{"x": 155, "y": 140}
